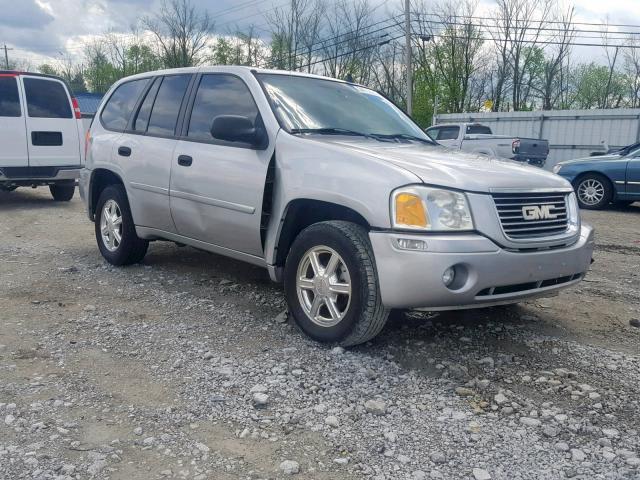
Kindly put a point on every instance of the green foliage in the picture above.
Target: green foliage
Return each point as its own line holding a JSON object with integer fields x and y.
{"x": 223, "y": 52}
{"x": 595, "y": 89}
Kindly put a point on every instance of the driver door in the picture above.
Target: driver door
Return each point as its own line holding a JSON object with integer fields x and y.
{"x": 217, "y": 187}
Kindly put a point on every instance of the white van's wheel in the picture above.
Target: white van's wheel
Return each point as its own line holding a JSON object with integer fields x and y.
{"x": 62, "y": 193}
{"x": 331, "y": 284}
{"x": 115, "y": 231}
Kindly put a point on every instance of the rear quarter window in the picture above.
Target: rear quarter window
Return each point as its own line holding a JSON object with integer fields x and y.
{"x": 115, "y": 114}
{"x": 9, "y": 97}
{"x": 46, "y": 98}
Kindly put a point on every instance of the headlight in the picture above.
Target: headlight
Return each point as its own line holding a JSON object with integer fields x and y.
{"x": 573, "y": 211}
{"x": 556, "y": 168}
{"x": 432, "y": 209}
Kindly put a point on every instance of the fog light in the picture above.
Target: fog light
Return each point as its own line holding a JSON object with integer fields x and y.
{"x": 448, "y": 276}
{"x": 411, "y": 244}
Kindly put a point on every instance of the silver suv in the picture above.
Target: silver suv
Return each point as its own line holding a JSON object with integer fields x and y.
{"x": 331, "y": 188}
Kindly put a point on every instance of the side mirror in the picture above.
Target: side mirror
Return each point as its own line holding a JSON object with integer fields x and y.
{"x": 236, "y": 128}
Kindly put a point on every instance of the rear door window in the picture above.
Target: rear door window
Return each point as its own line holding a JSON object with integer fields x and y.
{"x": 9, "y": 97}
{"x": 448, "y": 133}
{"x": 219, "y": 95}
{"x": 120, "y": 105}
{"x": 166, "y": 107}
{"x": 478, "y": 129}
{"x": 142, "y": 119}
{"x": 46, "y": 98}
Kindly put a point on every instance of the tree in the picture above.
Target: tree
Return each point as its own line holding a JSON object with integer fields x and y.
{"x": 594, "y": 85}
{"x": 518, "y": 25}
{"x": 222, "y": 52}
{"x": 632, "y": 70}
{"x": 181, "y": 32}
{"x": 554, "y": 86}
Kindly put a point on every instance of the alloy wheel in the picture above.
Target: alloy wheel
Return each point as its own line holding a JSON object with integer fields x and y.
{"x": 591, "y": 191}
{"x": 111, "y": 225}
{"x": 323, "y": 285}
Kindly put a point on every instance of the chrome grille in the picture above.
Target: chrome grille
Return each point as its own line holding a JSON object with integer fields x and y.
{"x": 546, "y": 213}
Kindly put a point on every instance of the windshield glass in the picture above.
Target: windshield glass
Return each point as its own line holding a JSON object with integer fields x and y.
{"x": 305, "y": 105}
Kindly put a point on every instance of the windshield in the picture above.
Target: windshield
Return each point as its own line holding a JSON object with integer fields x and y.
{"x": 313, "y": 105}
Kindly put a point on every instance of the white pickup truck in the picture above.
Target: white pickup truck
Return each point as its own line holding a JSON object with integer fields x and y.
{"x": 477, "y": 138}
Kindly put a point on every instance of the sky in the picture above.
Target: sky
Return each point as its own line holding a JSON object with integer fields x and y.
{"x": 43, "y": 30}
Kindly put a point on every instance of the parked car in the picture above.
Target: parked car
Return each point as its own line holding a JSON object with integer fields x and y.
{"x": 40, "y": 134}
{"x": 623, "y": 151}
{"x": 332, "y": 189}
{"x": 598, "y": 181}
{"x": 477, "y": 138}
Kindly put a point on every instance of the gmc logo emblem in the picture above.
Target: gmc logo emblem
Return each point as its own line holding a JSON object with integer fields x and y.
{"x": 538, "y": 212}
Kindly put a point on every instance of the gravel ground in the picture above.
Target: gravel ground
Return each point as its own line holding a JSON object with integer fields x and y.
{"x": 181, "y": 367}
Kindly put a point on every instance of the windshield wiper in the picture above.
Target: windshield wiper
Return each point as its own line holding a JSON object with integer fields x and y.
{"x": 402, "y": 136}
{"x": 330, "y": 131}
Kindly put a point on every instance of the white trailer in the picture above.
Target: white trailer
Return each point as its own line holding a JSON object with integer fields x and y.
{"x": 571, "y": 133}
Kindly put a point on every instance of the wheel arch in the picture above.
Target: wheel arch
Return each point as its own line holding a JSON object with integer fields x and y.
{"x": 302, "y": 213}
{"x": 599, "y": 173}
{"x": 101, "y": 178}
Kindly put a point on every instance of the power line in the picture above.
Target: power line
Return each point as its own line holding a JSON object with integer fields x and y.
{"x": 555, "y": 22}
{"x": 384, "y": 42}
{"x": 495, "y": 30}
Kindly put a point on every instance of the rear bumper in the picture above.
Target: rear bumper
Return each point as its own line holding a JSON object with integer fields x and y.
{"x": 535, "y": 161}
{"x": 485, "y": 273}
{"x": 38, "y": 175}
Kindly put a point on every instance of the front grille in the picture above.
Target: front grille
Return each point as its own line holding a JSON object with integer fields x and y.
{"x": 530, "y": 215}
{"x": 523, "y": 287}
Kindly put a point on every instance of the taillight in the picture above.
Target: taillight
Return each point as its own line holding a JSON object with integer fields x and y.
{"x": 87, "y": 141}
{"x": 76, "y": 108}
{"x": 515, "y": 146}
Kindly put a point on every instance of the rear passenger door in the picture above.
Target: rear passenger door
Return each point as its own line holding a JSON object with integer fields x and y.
{"x": 52, "y": 128}
{"x": 146, "y": 149}
{"x": 217, "y": 187}
{"x": 13, "y": 139}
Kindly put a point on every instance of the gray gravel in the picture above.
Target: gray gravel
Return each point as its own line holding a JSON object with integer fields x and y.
{"x": 184, "y": 367}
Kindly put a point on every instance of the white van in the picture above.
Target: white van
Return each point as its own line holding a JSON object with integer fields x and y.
{"x": 40, "y": 134}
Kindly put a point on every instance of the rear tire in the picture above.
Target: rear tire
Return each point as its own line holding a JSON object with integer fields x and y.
{"x": 327, "y": 260}
{"x": 594, "y": 191}
{"x": 62, "y": 193}
{"x": 115, "y": 231}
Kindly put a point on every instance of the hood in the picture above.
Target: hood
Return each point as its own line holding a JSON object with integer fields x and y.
{"x": 445, "y": 167}
{"x": 597, "y": 158}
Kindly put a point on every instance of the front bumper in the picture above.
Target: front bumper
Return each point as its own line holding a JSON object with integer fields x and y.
{"x": 486, "y": 273}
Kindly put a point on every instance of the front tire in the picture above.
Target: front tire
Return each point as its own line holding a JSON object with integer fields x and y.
{"x": 62, "y": 193}
{"x": 331, "y": 284}
{"x": 594, "y": 191}
{"x": 115, "y": 231}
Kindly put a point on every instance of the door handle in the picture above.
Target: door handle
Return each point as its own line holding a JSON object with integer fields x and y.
{"x": 124, "y": 151}
{"x": 185, "y": 160}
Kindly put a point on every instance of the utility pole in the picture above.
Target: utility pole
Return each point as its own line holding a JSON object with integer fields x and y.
{"x": 407, "y": 35}
{"x": 6, "y": 55}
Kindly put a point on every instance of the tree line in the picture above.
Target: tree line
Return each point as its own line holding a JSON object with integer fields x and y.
{"x": 520, "y": 56}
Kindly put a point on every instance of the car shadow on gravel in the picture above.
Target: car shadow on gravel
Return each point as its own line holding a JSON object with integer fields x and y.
{"x": 23, "y": 197}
